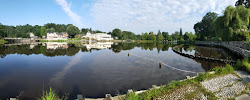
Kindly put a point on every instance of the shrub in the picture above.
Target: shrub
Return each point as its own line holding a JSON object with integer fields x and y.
{"x": 246, "y": 65}
{"x": 131, "y": 96}
{"x": 201, "y": 77}
{"x": 243, "y": 65}
{"x": 51, "y": 95}
{"x": 224, "y": 70}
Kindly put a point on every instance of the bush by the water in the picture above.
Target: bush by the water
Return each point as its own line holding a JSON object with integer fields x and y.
{"x": 243, "y": 65}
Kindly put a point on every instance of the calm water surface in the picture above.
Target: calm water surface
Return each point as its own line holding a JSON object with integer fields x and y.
{"x": 94, "y": 69}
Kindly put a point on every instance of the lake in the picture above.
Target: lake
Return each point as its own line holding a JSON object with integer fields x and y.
{"x": 96, "y": 69}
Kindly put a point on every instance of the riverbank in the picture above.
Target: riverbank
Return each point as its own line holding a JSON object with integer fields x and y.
{"x": 220, "y": 83}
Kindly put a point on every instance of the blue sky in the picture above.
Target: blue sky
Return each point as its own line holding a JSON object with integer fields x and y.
{"x": 132, "y": 15}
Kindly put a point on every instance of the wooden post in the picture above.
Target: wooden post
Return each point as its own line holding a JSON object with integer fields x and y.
{"x": 160, "y": 65}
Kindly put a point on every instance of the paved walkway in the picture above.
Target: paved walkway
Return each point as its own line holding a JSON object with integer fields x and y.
{"x": 229, "y": 86}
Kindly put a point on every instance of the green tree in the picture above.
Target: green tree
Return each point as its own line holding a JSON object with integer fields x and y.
{"x": 189, "y": 36}
{"x": 204, "y": 29}
{"x": 175, "y": 36}
{"x": 42, "y": 31}
{"x": 159, "y": 36}
{"x": 166, "y": 36}
{"x": 144, "y": 36}
{"x": 233, "y": 25}
{"x": 72, "y": 30}
{"x": 2, "y": 31}
{"x": 117, "y": 33}
{"x": 181, "y": 35}
{"x": 36, "y": 30}
{"x": 151, "y": 36}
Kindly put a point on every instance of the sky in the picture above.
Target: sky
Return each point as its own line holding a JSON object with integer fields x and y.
{"x": 128, "y": 15}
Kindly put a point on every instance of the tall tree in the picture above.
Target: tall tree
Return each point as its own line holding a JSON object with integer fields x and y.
{"x": 72, "y": 30}
{"x": 42, "y": 31}
{"x": 166, "y": 35}
{"x": 36, "y": 30}
{"x": 117, "y": 33}
{"x": 2, "y": 31}
{"x": 181, "y": 35}
{"x": 144, "y": 36}
{"x": 204, "y": 29}
{"x": 159, "y": 36}
{"x": 175, "y": 36}
{"x": 151, "y": 36}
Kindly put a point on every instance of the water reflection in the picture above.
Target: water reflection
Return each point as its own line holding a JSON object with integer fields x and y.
{"x": 57, "y": 79}
{"x": 92, "y": 69}
{"x": 56, "y": 45}
{"x": 98, "y": 45}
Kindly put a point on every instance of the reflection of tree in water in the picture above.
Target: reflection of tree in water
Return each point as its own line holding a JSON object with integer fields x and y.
{"x": 188, "y": 48}
{"x": 118, "y": 47}
{"x": 39, "y": 49}
{"x": 213, "y": 52}
{"x": 210, "y": 52}
{"x": 73, "y": 49}
{"x": 2, "y": 56}
{"x": 208, "y": 65}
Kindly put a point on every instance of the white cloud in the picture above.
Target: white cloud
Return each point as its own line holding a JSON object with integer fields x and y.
{"x": 150, "y": 15}
{"x": 66, "y": 7}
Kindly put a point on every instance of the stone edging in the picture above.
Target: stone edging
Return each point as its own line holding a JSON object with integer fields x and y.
{"x": 200, "y": 57}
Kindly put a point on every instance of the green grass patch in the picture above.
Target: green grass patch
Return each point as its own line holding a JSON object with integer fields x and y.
{"x": 243, "y": 65}
{"x": 51, "y": 95}
{"x": 145, "y": 41}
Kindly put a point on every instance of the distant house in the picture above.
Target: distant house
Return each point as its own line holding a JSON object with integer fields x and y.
{"x": 98, "y": 36}
{"x": 57, "y": 36}
{"x": 32, "y": 36}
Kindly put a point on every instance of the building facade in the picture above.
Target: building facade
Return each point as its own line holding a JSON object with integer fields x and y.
{"x": 57, "y": 36}
{"x": 98, "y": 36}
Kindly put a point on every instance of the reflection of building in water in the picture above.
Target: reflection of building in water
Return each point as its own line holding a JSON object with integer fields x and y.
{"x": 98, "y": 45}
{"x": 98, "y": 36}
{"x": 55, "y": 45}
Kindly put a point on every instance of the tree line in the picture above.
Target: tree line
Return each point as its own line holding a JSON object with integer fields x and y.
{"x": 160, "y": 36}
{"x": 233, "y": 25}
{"x": 40, "y": 31}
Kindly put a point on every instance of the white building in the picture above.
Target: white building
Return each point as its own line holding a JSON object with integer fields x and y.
{"x": 98, "y": 36}
{"x": 57, "y": 36}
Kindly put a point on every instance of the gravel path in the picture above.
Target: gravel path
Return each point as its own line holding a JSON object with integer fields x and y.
{"x": 180, "y": 94}
{"x": 216, "y": 84}
{"x": 231, "y": 92}
{"x": 229, "y": 86}
{"x": 244, "y": 75}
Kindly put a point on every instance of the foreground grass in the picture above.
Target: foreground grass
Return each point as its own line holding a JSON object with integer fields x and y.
{"x": 174, "y": 85}
{"x": 51, "y": 95}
